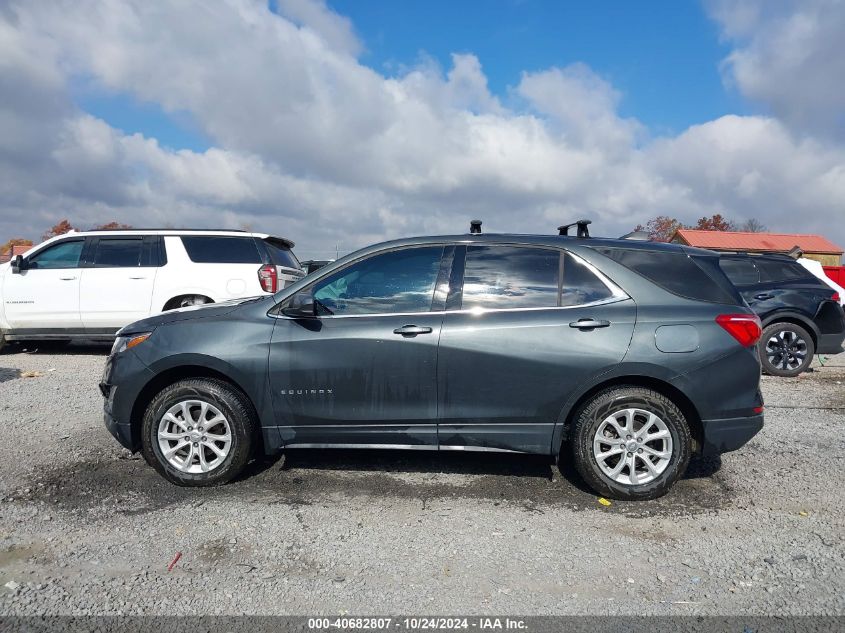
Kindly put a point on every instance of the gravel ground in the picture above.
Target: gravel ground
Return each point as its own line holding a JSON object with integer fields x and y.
{"x": 87, "y": 528}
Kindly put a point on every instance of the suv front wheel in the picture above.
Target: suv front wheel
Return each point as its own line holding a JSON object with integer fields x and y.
{"x": 630, "y": 443}
{"x": 785, "y": 349}
{"x": 198, "y": 432}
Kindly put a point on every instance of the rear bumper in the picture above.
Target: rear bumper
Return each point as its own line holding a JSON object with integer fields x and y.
{"x": 725, "y": 435}
{"x": 830, "y": 343}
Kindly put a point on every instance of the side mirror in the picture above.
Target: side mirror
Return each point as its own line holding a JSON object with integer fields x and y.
{"x": 301, "y": 306}
{"x": 18, "y": 265}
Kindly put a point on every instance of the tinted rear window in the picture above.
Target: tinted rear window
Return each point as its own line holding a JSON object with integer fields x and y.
{"x": 281, "y": 254}
{"x": 118, "y": 253}
{"x": 510, "y": 277}
{"x": 210, "y": 249}
{"x": 679, "y": 273}
{"x": 781, "y": 270}
{"x": 742, "y": 272}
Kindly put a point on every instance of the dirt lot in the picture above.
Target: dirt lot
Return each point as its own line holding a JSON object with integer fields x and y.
{"x": 86, "y": 527}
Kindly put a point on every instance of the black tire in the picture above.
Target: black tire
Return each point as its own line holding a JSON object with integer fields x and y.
{"x": 186, "y": 301}
{"x": 785, "y": 350}
{"x": 591, "y": 416}
{"x": 230, "y": 401}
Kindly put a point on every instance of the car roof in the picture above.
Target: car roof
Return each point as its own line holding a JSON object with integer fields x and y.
{"x": 556, "y": 241}
{"x": 171, "y": 232}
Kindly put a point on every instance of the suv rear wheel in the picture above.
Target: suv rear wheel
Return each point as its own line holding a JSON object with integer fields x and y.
{"x": 630, "y": 443}
{"x": 785, "y": 349}
{"x": 198, "y": 432}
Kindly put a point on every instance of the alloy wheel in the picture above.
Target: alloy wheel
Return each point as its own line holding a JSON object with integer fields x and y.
{"x": 194, "y": 436}
{"x": 786, "y": 350}
{"x": 632, "y": 446}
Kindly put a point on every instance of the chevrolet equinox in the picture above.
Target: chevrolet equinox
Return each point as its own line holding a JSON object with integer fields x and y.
{"x": 626, "y": 357}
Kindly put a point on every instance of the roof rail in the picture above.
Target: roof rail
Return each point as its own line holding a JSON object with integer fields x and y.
{"x": 170, "y": 228}
{"x": 583, "y": 231}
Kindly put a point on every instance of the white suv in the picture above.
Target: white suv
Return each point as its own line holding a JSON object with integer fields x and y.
{"x": 88, "y": 285}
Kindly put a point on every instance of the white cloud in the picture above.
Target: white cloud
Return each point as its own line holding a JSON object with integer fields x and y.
{"x": 309, "y": 143}
{"x": 789, "y": 56}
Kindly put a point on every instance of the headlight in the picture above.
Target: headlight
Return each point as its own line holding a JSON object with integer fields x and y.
{"x": 123, "y": 343}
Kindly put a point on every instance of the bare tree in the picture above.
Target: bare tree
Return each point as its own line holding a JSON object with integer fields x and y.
{"x": 753, "y": 225}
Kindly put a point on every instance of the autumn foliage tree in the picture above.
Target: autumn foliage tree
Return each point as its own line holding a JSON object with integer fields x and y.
{"x": 111, "y": 226}
{"x": 15, "y": 241}
{"x": 59, "y": 229}
{"x": 662, "y": 227}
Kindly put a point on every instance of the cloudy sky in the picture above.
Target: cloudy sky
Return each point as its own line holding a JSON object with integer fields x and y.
{"x": 347, "y": 122}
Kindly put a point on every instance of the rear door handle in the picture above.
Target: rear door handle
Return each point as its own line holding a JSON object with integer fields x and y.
{"x": 412, "y": 330}
{"x": 763, "y": 297}
{"x": 589, "y": 324}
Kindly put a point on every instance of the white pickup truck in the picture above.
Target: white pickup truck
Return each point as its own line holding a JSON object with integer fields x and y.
{"x": 87, "y": 285}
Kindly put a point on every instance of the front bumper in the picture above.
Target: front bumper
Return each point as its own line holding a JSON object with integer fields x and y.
{"x": 725, "y": 435}
{"x": 123, "y": 379}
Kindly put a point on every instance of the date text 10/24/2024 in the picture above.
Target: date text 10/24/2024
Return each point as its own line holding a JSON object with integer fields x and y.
{"x": 417, "y": 623}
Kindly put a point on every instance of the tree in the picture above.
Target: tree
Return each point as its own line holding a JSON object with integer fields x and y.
{"x": 15, "y": 241}
{"x": 753, "y": 225}
{"x": 111, "y": 226}
{"x": 714, "y": 223}
{"x": 661, "y": 228}
{"x": 59, "y": 229}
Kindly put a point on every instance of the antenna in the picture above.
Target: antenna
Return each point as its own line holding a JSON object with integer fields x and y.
{"x": 583, "y": 231}
{"x": 475, "y": 226}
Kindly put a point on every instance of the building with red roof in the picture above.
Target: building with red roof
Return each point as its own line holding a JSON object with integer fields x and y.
{"x": 13, "y": 252}
{"x": 814, "y": 247}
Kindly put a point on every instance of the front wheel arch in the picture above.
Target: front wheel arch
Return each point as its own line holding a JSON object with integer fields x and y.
{"x": 173, "y": 375}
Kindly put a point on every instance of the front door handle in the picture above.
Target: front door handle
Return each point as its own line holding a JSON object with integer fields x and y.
{"x": 589, "y": 324}
{"x": 764, "y": 297}
{"x": 67, "y": 278}
{"x": 137, "y": 278}
{"x": 412, "y": 330}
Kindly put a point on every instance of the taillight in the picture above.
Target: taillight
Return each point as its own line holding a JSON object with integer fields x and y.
{"x": 835, "y": 296}
{"x": 745, "y": 328}
{"x": 268, "y": 278}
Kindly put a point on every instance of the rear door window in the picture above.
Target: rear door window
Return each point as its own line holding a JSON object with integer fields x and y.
{"x": 498, "y": 277}
{"x": 742, "y": 272}
{"x": 214, "y": 249}
{"x": 580, "y": 284}
{"x": 118, "y": 253}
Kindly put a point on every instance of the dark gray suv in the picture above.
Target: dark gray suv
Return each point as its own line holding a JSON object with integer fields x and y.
{"x": 626, "y": 357}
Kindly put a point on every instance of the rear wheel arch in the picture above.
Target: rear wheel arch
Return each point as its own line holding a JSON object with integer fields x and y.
{"x": 794, "y": 319}
{"x": 678, "y": 398}
{"x": 181, "y": 301}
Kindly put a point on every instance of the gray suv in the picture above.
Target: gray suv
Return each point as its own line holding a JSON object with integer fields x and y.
{"x": 625, "y": 357}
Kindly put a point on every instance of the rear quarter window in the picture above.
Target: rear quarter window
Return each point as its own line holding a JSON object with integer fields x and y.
{"x": 771, "y": 271}
{"x": 281, "y": 255}
{"x": 212, "y": 249}
{"x": 688, "y": 276}
{"x": 741, "y": 272}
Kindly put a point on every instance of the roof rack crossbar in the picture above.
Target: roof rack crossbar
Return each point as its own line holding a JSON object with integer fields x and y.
{"x": 583, "y": 231}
